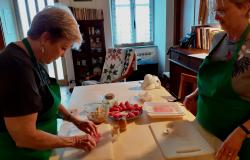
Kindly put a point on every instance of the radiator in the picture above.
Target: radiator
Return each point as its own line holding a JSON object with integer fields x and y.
{"x": 146, "y": 55}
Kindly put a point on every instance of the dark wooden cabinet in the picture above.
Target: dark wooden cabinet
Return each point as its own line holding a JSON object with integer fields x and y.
{"x": 183, "y": 61}
{"x": 90, "y": 58}
{"x": 142, "y": 70}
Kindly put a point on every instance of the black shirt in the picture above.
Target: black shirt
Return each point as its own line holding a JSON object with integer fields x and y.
{"x": 22, "y": 85}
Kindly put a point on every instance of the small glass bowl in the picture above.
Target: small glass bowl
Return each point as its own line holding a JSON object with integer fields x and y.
{"x": 97, "y": 117}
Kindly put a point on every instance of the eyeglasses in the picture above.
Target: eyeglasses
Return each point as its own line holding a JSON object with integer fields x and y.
{"x": 220, "y": 13}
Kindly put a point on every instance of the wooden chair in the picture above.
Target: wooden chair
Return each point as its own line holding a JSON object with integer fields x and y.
{"x": 188, "y": 84}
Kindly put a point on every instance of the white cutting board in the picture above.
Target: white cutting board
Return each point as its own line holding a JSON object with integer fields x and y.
{"x": 181, "y": 141}
{"x": 103, "y": 150}
{"x": 137, "y": 143}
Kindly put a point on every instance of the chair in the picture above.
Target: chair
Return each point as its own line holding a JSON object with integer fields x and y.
{"x": 188, "y": 84}
{"x": 119, "y": 64}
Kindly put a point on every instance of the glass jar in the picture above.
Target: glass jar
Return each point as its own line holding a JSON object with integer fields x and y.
{"x": 108, "y": 101}
{"x": 115, "y": 132}
{"x": 123, "y": 124}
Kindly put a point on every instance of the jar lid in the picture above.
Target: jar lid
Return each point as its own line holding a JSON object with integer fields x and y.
{"x": 109, "y": 96}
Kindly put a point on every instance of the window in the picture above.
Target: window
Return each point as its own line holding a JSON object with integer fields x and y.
{"x": 132, "y": 22}
{"x": 27, "y": 9}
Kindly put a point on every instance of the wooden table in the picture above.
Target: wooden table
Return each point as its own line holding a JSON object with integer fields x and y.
{"x": 137, "y": 142}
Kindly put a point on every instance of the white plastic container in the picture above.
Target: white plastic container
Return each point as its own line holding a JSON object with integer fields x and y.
{"x": 164, "y": 109}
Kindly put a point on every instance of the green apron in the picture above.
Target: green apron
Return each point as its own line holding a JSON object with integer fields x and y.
{"x": 46, "y": 121}
{"x": 220, "y": 108}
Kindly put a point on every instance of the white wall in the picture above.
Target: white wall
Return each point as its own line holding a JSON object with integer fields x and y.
{"x": 8, "y": 21}
{"x": 97, "y": 4}
{"x": 164, "y": 28}
{"x": 187, "y": 15}
{"x": 169, "y": 30}
{"x": 163, "y": 23}
{"x": 160, "y": 32}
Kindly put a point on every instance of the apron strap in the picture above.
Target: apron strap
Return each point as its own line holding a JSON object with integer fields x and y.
{"x": 30, "y": 51}
{"x": 34, "y": 61}
{"x": 217, "y": 45}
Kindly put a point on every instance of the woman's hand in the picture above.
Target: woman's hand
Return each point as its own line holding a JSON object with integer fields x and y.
{"x": 190, "y": 102}
{"x": 231, "y": 146}
{"x": 86, "y": 142}
{"x": 87, "y": 127}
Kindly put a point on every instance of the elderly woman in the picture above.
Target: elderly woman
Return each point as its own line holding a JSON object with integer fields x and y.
{"x": 224, "y": 82}
{"x": 30, "y": 99}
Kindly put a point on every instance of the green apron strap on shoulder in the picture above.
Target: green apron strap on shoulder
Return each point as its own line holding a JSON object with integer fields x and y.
{"x": 30, "y": 51}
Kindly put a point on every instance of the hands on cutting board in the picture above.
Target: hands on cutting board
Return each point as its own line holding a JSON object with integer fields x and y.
{"x": 87, "y": 127}
{"x": 231, "y": 146}
{"x": 89, "y": 141}
{"x": 85, "y": 142}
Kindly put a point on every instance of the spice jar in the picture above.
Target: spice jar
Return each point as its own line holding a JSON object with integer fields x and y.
{"x": 123, "y": 124}
{"x": 115, "y": 132}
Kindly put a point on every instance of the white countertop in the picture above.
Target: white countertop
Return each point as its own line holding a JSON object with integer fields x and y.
{"x": 137, "y": 142}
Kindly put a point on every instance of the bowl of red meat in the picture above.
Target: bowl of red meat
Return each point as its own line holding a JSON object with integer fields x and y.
{"x": 126, "y": 110}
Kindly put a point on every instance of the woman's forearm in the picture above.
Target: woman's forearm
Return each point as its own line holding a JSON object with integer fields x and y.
{"x": 66, "y": 114}
{"x": 195, "y": 92}
{"x": 41, "y": 140}
{"x": 242, "y": 131}
{"x": 24, "y": 133}
{"x": 247, "y": 124}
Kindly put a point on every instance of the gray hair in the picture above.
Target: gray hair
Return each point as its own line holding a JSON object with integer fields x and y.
{"x": 58, "y": 22}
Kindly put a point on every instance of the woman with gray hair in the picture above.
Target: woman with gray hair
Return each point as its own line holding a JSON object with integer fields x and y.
{"x": 30, "y": 99}
{"x": 224, "y": 82}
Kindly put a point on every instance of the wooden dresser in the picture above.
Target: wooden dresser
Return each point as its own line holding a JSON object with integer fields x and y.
{"x": 183, "y": 61}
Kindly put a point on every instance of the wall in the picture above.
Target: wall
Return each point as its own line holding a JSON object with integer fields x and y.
{"x": 187, "y": 15}
{"x": 98, "y": 4}
{"x": 160, "y": 23}
{"x": 8, "y": 21}
{"x": 169, "y": 31}
{"x": 164, "y": 25}
{"x": 160, "y": 32}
